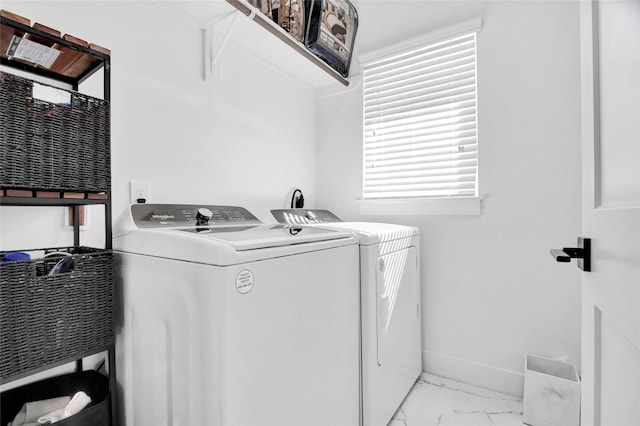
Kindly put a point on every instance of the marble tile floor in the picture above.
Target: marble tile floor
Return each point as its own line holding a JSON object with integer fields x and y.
{"x": 435, "y": 401}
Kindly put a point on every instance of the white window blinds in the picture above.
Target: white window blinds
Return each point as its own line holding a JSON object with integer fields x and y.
{"x": 420, "y": 131}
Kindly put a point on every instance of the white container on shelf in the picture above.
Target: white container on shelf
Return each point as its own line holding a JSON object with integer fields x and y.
{"x": 551, "y": 392}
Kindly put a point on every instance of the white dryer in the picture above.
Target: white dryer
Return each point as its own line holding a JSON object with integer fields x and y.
{"x": 227, "y": 321}
{"x": 390, "y": 308}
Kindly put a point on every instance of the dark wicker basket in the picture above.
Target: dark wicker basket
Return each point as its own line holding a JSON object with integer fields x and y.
{"x": 48, "y": 146}
{"x": 94, "y": 384}
{"x": 47, "y": 319}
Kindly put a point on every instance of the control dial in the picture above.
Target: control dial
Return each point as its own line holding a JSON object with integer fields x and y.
{"x": 202, "y": 216}
{"x": 310, "y": 215}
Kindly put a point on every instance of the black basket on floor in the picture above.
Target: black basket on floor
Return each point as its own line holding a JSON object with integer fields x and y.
{"x": 94, "y": 384}
{"x": 46, "y": 319}
{"x": 53, "y": 146}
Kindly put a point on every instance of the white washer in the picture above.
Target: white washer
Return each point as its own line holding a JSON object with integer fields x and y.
{"x": 390, "y": 304}
{"x": 234, "y": 322}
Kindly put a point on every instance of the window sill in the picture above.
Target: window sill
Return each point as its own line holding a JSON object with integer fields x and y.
{"x": 468, "y": 206}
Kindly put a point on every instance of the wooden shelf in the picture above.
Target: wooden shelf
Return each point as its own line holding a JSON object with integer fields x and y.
{"x": 286, "y": 38}
{"x": 63, "y": 199}
{"x": 78, "y": 59}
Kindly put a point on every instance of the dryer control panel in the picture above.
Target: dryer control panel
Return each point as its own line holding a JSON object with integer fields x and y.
{"x": 304, "y": 216}
{"x": 189, "y": 215}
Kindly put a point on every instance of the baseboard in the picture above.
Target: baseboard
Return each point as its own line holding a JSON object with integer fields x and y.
{"x": 474, "y": 373}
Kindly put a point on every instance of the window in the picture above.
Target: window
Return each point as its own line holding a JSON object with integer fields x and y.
{"x": 420, "y": 126}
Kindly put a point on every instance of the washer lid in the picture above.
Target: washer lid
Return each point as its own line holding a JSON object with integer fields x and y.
{"x": 255, "y": 237}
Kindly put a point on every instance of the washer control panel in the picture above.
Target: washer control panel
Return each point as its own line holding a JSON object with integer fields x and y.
{"x": 187, "y": 215}
{"x": 304, "y": 216}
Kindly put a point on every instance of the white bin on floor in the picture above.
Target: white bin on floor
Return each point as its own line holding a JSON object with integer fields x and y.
{"x": 551, "y": 393}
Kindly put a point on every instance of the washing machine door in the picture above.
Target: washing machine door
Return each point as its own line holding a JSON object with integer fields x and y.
{"x": 397, "y": 310}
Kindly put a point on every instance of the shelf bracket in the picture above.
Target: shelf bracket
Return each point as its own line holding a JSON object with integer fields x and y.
{"x": 213, "y": 50}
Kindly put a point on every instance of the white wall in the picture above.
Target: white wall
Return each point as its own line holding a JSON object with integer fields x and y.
{"x": 490, "y": 290}
{"x": 246, "y": 136}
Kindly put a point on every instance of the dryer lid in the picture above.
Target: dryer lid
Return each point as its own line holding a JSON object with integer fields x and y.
{"x": 368, "y": 233}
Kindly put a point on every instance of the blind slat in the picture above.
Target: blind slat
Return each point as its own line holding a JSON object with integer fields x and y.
{"x": 424, "y": 187}
{"x": 423, "y": 153}
{"x": 461, "y": 137}
{"x": 411, "y": 147}
{"x": 451, "y": 131}
{"x": 422, "y": 194}
{"x": 420, "y": 107}
{"x": 437, "y": 167}
{"x": 451, "y": 120}
{"x": 458, "y": 177}
{"x": 419, "y": 161}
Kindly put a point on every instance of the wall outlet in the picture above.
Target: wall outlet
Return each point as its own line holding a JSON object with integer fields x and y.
{"x": 139, "y": 192}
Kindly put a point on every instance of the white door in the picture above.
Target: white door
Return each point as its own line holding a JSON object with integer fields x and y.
{"x": 610, "y": 36}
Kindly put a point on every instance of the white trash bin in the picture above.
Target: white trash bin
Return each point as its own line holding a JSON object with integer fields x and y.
{"x": 551, "y": 393}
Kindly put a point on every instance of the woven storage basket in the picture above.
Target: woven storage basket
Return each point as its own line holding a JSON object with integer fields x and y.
{"x": 46, "y": 319}
{"x": 48, "y": 146}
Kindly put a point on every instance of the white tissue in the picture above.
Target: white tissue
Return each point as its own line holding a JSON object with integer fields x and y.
{"x": 77, "y": 403}
{"x": 31, "y": 411}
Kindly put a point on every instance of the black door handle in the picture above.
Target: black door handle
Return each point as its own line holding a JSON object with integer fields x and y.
{"x": 582, "y": 253}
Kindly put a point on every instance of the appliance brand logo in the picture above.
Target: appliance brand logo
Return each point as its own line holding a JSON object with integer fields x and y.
{"x": 162, "y": 216}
